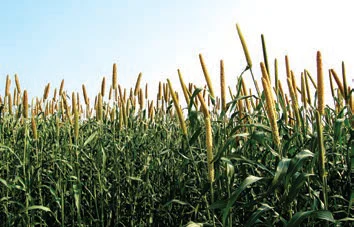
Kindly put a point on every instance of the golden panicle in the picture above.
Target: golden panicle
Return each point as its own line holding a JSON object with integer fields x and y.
{"x": 293, "y": 82}
{"x": 141, "y": 98}
{"x": 99, "y": 113}
{"x": 15, "y": 100}
{"x": 146, "y": 91}
{"x": 209, "y": 137}
{"x": 25, "y": 104}
{"x": 292, "y": 90}
{"x": 244, "y": 46}
{"x": 67, "y": 107}
{"x": 121, "y": 120}
{"x": 61, "y": 87}
{"x": 137, "y": 84}
{"x": 114, "y": 76}
{"x": 46, "y": 91}
{"x": 168, "y": 94}
{"x": 107, "y": 111}
{"x": 34, "y": 128}
{"x": 184, "y": 88}
{"x": 9, "y": 103}
{"x": 52, "y": 108}
{"x": 165, "y": 91}
{"x": 222, "y": 86}
{"x": 307, "y": 88}
{"x": 88, "y": 114}
{"x": 0, "y": 100}
{"x": 339, "y": 83}
{"x": 73, "y": 102}
{"x": 55, "y": 94}
{"x": 18, "y": 99}
{"x": 207, "y": 76}
{"x": 46, "y": 110}
{"x": 203, "y": 105}
{"x": 17, "y": 81}
{"x": 270, "y": 106}
{"x": 159, "y": 94}
{"x": 265, "y": 56}
{"x": 276, "y": 75}
{"x": 344, "y": 83}
{"x": 178, "y": 109}
{"x": 110, "y": 93}
{"x": 85, "y": 94}
{"x": 320, "y": 84}
{"x": 121, "y": 92}
{"x": 287, "y": 66}
{"x": 116, "y": 94}
{"x": 7, "y": 86}
{"x": 103, "y": 86}
{"x": 331, "y": 83}
{"x": 303, "y": 91}
{"x": 124, "y": 94}
{"x": 112, "y": 114}
{"x": 209, "y": 145}
{"x": 151, "y": 111}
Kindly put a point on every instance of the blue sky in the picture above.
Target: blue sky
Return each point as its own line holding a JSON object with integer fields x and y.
{"x": 47, "y": 41}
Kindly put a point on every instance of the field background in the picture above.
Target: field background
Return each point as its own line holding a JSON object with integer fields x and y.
{"x": 169, "y": 114}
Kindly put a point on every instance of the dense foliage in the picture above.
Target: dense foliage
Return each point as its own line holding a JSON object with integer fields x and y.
{"x": 132, "y": 165}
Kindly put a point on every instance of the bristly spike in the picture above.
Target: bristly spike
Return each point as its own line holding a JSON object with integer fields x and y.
{"x": 320, "y": 84}
{"x": 61, "y": 87}
{"x": 25, "y": 104}
{"x": 178, "y": 109}
{"x": 103, "y": 86}
{"x": 137, "y": 84}
{"x": 207, "y": 76}
{"x": 244, "y": 46}
{"x": 222, "y": 86}
{"x": 265, "y": 55}
{"x": 114, "y": 76}
{"x": 17, "y": 81}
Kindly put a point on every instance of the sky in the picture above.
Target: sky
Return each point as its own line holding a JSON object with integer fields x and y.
{"x": 78, "y": 41}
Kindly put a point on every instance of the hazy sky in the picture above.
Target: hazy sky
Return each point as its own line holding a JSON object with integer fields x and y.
{"x": 46, "y": 41}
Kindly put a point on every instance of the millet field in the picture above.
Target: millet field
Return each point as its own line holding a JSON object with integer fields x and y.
{"x": 276, "y": 155}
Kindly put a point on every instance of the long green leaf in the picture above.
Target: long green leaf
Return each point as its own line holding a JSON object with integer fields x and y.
{"x": 248, "y": 181}
{"x": 299, "y": 217}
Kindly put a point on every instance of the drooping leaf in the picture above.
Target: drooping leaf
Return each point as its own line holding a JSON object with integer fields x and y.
{"x": 255, "y": 216}
{"x": 299, "y": 217}
{"x": 248, "y": 181}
